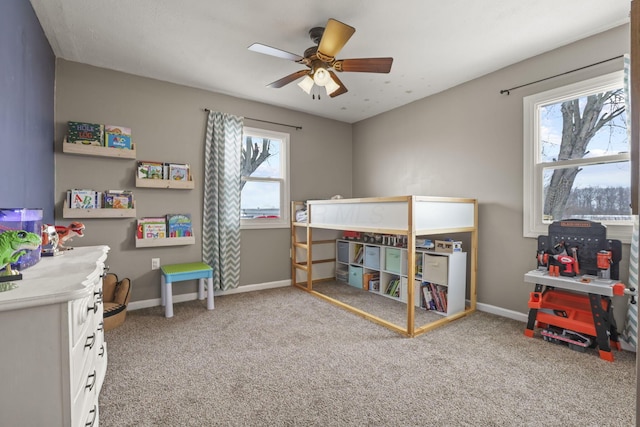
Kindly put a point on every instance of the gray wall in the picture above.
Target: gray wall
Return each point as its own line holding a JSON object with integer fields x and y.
{"x": 468, "y": 142}
{"x": 26, "y": 110}
{"x": 168, "y": 124}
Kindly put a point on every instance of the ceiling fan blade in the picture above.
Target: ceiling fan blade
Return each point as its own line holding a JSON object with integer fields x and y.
{"x": 335, "y": 36}
{"x": 343, "y": 88}
{"x": 364, "y": 65}
{"x": 288, "y": 79}
{"x": 268, "y": 50}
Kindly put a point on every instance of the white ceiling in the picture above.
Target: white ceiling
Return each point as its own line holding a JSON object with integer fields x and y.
{"x": 203, "y": 43}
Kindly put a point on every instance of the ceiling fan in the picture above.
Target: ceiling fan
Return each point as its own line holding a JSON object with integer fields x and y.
{"x": 321, "y": 60}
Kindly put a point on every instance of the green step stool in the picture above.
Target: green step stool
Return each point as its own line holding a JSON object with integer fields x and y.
{"x": 180, "y": 272}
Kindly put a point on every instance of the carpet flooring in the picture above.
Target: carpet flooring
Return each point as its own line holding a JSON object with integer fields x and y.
{"x": 283, "y": 357}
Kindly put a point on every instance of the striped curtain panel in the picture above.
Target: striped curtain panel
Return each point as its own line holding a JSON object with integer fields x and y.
{"x": 221, "y": 212}
{"x": 630, "y": 332}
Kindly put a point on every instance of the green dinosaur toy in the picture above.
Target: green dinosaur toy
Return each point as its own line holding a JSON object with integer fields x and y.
{"x": 14, "y": 244}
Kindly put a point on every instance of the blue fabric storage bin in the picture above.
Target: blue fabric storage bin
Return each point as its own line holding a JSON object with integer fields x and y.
{"x": 343, "y": 252}
{"x": 355, "y": 276}
{"x": 372, "y": 257}
{"x": 392, "y": 260}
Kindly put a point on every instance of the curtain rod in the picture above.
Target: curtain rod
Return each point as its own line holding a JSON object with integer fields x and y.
{"x": 266, "y": 121}
{"x": 507, "y": 91}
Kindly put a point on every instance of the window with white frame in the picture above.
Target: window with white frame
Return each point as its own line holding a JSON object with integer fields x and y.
{"x": 264, "y": 195}
{"x": 576, "y": 157}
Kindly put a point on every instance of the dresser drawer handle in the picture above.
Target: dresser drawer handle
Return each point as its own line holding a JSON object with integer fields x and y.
{"x": 91, "y": 340}
{"x": 94, "y": 308}
{"x": 98, "y": 294}
{"x": 101, "y": 353}
{"x": 101, "y": 326}
{"x": 93, "y": 419}
{"x": 91, "y": 377}
{"x": 105, "y": 269}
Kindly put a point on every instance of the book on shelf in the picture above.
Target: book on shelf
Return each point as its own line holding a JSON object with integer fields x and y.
{"x": 117, "y": 137}
{"x": 85, "y": 133}
{"x": 359, "y": 254}
{"x": 393, "y": 288}
{"x": 151, "y": 170}
{"x": 152, "y": 228}
{"x": 374, "y": 285}
{"x": 367, "y": 278}
{"x": 428, "y": 302}
{"x": 118, "y": 199}
{"x": 179, "y": 225}
{"x": 419, "y": 265}
{"x": 435, "y": 296}
{"x": 442, "y": 293}
{"x": 83, "y": 199}
{"x": 179, "y": 172}
{"x": 164, "y": 170}
{"x": 438, "y": 295}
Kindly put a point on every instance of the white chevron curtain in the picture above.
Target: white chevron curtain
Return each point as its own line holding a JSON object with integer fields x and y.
{"x": 630, "y": 332}
{"x": 221, "y": 213}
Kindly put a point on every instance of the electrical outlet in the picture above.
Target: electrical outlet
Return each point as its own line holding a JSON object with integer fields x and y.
{"x": 155, "y": 263}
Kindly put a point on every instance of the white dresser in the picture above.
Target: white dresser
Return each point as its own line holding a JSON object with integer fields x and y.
{"x": 53, "y": 356}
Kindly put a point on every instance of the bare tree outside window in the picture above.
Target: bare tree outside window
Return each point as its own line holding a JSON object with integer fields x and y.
{"x": 253, "y": 155}
{"x": 591, "y": 126}
{"x": 264, "y": 189}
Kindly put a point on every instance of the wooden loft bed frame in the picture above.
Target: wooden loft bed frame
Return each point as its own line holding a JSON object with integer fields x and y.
{"x": 410, "y": 216}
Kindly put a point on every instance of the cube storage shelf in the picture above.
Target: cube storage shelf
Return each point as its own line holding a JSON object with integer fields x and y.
{"x": 355, "y": 260}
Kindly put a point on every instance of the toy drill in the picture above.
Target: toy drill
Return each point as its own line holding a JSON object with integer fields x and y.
{"x": 559, "y": 263}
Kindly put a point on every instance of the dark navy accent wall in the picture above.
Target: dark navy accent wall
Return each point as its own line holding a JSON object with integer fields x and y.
{"x": 27, "y": 81}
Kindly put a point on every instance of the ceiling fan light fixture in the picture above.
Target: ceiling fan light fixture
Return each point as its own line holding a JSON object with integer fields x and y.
{"x": 321, "y": 76}
{"x": 331, "y": 86}
{"x": 306, "y": 84}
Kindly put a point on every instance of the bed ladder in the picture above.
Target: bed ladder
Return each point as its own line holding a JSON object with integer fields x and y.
{"x": 305, "y": 264}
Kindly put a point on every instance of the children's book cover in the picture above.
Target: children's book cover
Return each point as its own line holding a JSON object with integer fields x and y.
{"x": 152, "y": 228}
{"x": 85, "y": 133}
{"x": 83, "y": 199}
{"x": 179, "y": 225}
{"x": 122, "y": 200}
{"x": 178, "y": 172}
{"x": 150, "y": 170}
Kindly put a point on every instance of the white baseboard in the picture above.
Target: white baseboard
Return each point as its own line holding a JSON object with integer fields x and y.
{"x": 510, "y": 314}
{"x": 137, "y": 305}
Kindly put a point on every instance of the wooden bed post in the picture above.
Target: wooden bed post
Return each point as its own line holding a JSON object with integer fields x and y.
{"x": 309, "y": 251}
{"x": 473, "y": 297}
{"x": 293, "y": 245}
{"x": 411, "y": 267}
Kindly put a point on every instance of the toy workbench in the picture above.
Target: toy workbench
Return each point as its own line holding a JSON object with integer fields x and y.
{"x": 576, "y": 276}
